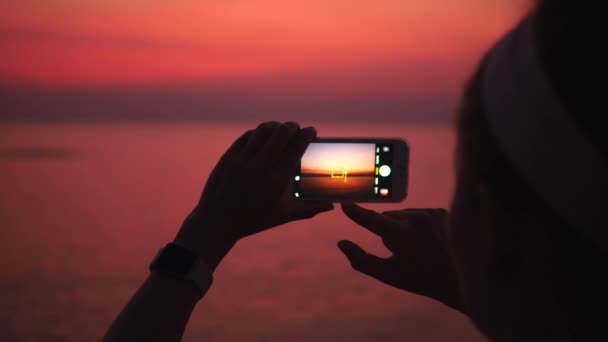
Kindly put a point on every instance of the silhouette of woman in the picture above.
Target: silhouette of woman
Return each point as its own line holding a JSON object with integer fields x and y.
{"x": 523, "y": 248}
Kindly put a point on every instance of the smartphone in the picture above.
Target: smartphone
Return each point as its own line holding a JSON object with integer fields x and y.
{"x": 356, "y": 169}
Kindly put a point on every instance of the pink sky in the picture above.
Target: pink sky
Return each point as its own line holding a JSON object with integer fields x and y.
{"x": 110, "y": 42}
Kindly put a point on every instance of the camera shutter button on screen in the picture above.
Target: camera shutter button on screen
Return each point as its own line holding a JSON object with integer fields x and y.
{"x": 385, "y": 170}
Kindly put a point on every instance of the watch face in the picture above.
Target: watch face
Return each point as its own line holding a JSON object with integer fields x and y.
{"x": 175, "y": 259}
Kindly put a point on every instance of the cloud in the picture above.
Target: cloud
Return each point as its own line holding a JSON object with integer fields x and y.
{"x": 223, "y": 102}
{"x": 39, "y": 153}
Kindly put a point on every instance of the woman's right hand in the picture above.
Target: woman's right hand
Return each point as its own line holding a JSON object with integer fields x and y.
{"x": 249, "y": 191}
{"x": 420, "y": 262}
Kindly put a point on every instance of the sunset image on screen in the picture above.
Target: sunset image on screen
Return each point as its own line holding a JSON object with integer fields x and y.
{"x": 337, "y": 169}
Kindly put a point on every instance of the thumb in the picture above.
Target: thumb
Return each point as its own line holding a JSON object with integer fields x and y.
{"x": 364, "y": 262}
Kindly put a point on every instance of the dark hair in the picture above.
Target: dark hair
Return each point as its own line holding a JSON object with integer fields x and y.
{"x": 565, "y": 56}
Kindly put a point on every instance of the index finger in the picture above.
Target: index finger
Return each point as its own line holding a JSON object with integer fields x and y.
{"x": 237, "y": 146}
{"x": 259, "y": 137}
{"x": 298, "y": 146}
{"x": 416, "y": 213}
{"x": 369, "y": 219}
{"x": 278, "y": 141}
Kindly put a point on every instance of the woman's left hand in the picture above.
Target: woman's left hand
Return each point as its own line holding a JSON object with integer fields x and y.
{"x": 420, "y": 262}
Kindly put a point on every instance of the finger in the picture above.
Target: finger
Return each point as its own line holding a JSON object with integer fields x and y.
{"x": 295, "y": 150}
{"x": 369, "y": 219}
{"x": 259, "y": 137}
{"x": 241, "y": 142}
{"x": 237, "y": 146}
{"x": 401, "y": 215}
{"x": 429, "y": 219}
{"x": 364, "y": 262}
{"x": 304, "y": 209}
{"x": 416, "y": 214}
{"x": 278, "y": 141}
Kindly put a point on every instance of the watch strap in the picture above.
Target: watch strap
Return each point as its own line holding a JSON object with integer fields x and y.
{"x": 182, "y": 263}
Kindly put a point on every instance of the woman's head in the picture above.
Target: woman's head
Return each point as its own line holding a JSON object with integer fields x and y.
{"x": 525, "y": 272}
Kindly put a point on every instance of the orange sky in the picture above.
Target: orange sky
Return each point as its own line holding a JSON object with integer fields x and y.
{"x": 352, "y": 158}
{"x": 66, "y": 42}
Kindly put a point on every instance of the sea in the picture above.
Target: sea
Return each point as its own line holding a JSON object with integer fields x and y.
{"x": 84, "y": 207}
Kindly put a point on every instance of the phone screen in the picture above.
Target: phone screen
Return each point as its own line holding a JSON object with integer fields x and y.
{"x": 349, "y": 170}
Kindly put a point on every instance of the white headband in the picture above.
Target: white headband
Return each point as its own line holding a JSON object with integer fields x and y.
{"x": 540, "y": 138}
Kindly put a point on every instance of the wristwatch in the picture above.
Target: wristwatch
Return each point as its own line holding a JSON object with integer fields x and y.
{"x": 182, "y": 263}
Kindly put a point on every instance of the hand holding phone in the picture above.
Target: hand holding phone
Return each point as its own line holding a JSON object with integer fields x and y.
{"x": 247, "y": 191}
{"x": 353, "y": 169}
